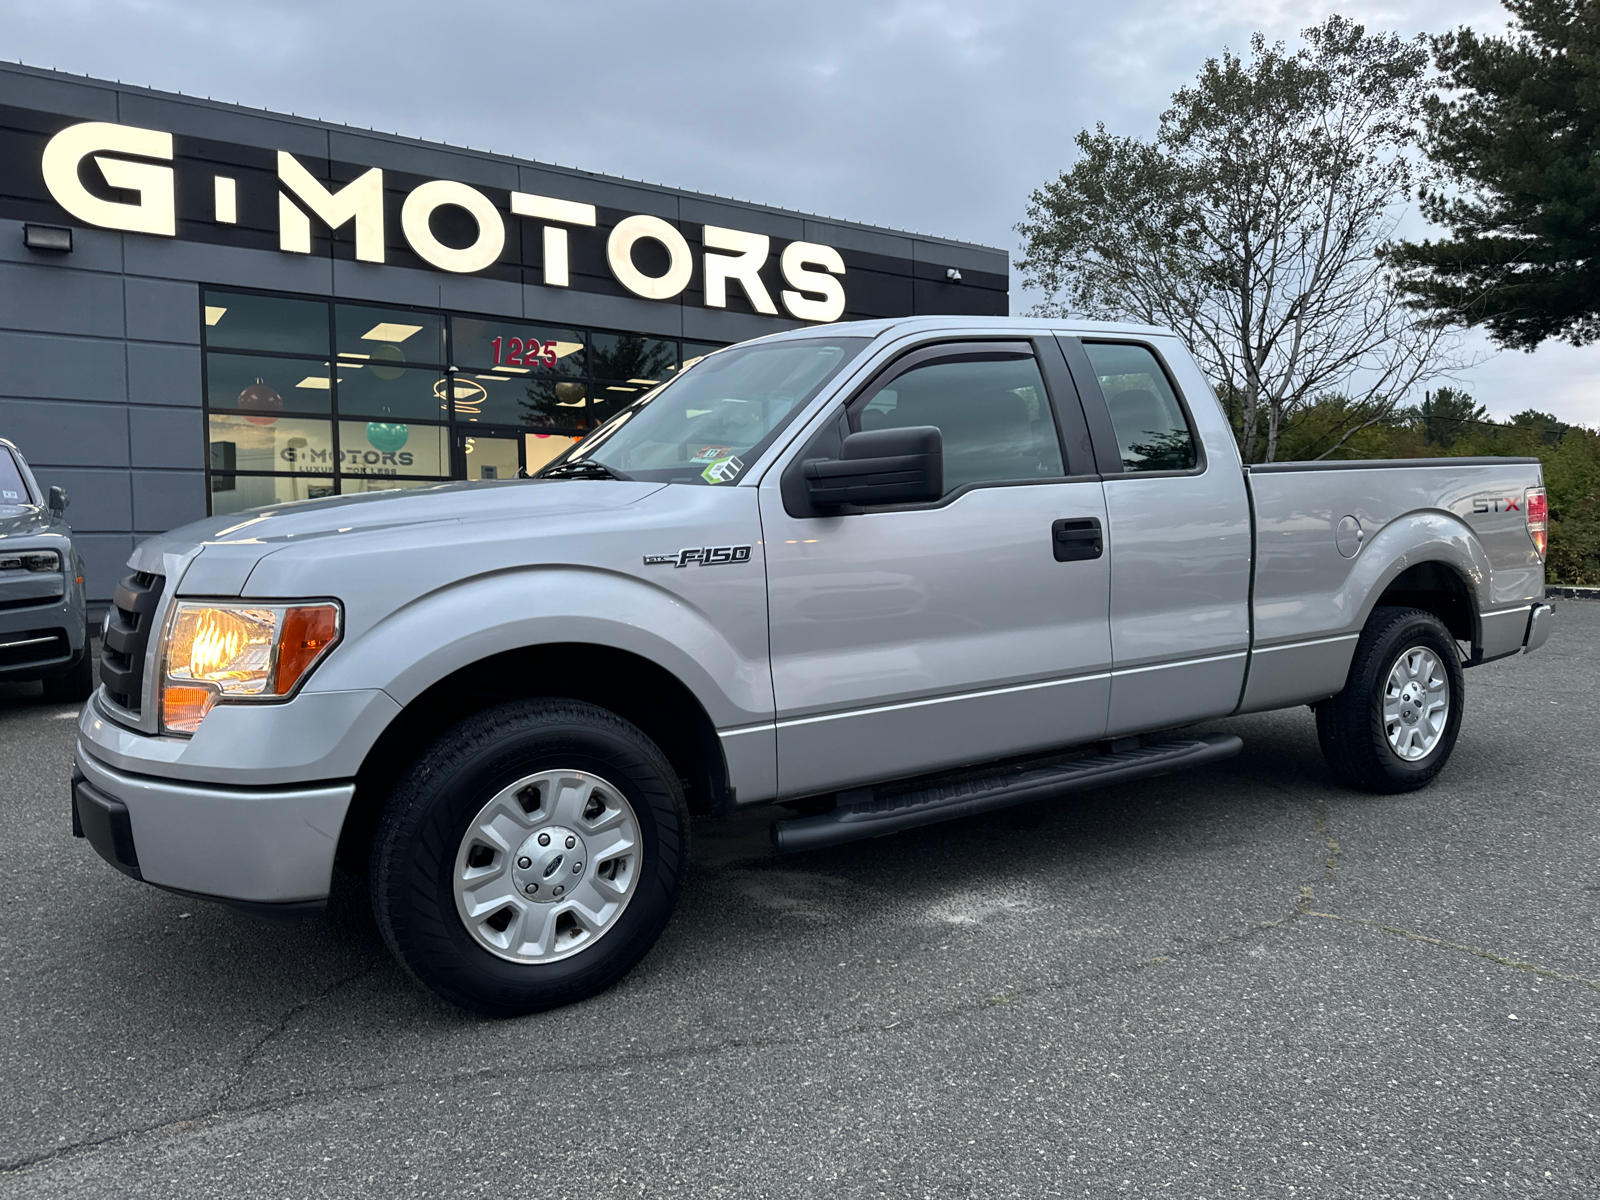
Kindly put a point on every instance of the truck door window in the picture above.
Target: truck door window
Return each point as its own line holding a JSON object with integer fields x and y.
{"x": 1152, "y": 434}
{"x": 993, "y": 413}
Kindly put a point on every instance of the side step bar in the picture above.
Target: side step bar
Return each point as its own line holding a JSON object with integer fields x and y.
{"x": 874, "y": 817}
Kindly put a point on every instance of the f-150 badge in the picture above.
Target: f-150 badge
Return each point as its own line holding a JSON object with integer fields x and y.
{"x": 706, "y": 556}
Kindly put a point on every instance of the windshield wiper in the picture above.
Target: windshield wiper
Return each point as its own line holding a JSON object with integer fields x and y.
{"x": 583, "y": 468}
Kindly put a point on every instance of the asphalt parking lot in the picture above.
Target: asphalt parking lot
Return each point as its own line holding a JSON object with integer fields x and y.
{"x": 1240, "y": 981}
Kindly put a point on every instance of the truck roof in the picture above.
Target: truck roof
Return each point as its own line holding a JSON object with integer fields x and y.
{"x": 904, "y": 325}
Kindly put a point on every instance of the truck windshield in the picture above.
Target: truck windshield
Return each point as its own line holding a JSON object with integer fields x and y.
{"x": 708, "y": 425}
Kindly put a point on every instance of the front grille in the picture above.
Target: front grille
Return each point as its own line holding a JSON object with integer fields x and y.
{"x": 133, "y": 607}
{"x": 32, "y": 646}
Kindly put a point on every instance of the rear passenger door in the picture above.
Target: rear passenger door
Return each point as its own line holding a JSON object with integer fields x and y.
{"x": 922, "y": 636}
{"x": 1178, "y": 532}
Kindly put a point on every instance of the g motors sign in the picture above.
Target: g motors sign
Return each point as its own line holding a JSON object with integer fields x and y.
{"x": 139, "y": 163}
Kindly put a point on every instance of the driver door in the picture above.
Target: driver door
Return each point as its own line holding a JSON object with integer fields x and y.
{"x": 926, "y": 636}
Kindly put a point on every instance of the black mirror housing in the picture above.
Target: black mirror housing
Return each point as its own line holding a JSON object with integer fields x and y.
{"x": 58, "y": 500}
{"x": 880, "y": 466}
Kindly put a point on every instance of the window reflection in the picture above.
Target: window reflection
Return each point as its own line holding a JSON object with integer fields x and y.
{"x": 389, "y": 335}
{"x": 282, "y": 370}
{"x": 402, "y": 393}
{"x": 276, "y": 323}
{"x": 553, "y": 404}
{"x": 256, "y": 383}
{"x": 626, "y": 356}
{"x": 291, "y": 445}
{"x": 371, "y": 448}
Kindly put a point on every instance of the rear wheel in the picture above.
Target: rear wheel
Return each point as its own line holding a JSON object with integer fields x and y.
{"x": 531, "y": 857}
{"x": 1393, "y": 727}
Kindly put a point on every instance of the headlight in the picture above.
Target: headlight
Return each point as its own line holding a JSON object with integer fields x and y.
{"x": 31, "y": 560}
{"x": 238, "y": 652}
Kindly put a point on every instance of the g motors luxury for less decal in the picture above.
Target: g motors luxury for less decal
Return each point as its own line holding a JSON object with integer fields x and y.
{"x": 130, "y": 159}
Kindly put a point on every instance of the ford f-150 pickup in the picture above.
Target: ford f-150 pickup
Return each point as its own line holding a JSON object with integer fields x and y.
{"x": 885, "y": 573}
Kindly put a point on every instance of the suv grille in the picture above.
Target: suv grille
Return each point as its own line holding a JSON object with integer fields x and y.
{"x": 133, "y": 607}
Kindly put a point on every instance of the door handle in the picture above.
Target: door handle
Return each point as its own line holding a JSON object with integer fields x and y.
{"x": 1076, "y": 539}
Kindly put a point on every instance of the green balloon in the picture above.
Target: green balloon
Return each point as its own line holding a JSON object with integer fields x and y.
{"x": 387, "y": 438}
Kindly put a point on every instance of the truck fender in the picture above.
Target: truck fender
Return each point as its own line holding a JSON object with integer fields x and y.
{"x": 472, "y": 619}
{"x": 1428, "y": 535}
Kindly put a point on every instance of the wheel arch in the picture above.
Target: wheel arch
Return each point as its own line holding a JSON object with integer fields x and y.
{"x": 1430, "y": 561}
{"x": 630, "y": 685}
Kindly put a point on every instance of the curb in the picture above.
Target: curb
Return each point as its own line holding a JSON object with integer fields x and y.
{"x": 1574, "y": 593}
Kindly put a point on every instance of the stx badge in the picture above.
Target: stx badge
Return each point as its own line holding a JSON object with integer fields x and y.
{"x": 706, "y": 556}
{"x": 1509, "y": 504}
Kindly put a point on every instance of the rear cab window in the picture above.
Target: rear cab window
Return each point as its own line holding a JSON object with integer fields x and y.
{"x": 1152, "y": 431}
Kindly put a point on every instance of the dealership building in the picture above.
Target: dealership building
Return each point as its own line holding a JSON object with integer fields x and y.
{"x": 205, "y": 308}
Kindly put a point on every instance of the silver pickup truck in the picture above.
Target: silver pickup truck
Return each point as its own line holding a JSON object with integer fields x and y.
{"x": 883, "y": 573}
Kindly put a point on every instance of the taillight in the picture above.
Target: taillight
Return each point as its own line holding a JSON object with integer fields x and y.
{"x": 1538, "y": 509}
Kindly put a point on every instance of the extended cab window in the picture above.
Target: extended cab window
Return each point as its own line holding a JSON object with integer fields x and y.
{"x": 1152, "y": 434}
{"x": 991, "y": 410}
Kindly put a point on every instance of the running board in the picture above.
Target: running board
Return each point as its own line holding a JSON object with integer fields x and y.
{"x": 873, "y": 817}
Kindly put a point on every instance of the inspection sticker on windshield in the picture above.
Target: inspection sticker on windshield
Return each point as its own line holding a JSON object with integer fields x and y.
{"x": 723, "y": 470}
{"x": 711, "y": 454}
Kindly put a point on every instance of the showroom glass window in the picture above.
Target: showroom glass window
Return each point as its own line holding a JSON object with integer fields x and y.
{"x": 309, "y": 397}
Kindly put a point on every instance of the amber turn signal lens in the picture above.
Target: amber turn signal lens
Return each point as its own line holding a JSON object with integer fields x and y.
{"x": 307, "y": 631}
{"x": 183, "y": 708}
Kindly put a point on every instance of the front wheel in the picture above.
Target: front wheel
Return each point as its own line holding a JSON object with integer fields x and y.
{"x": 531, "y": 857}
{"x": 1393, "y": 727}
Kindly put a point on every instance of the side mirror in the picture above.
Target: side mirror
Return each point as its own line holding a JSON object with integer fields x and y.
{"x": 880, "y": 466}
{"x": 58, "y": 500}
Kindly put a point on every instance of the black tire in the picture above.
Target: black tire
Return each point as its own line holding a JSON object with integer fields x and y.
{"x": 420, "y": 832}
{"x": 1351, "y": 727}
{"x": 76, "y": 683}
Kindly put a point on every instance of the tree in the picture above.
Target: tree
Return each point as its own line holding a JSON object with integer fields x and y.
{"x": 1251, "y": 225}
{"x": 1445, "y": 413}
{"x": 1519, "y": 137}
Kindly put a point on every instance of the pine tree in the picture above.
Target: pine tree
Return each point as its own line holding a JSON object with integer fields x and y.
{"x": 1518, "y": 135}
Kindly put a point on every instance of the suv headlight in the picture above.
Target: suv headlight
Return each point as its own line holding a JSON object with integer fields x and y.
{"x": 239, "y": 652}
{"x": 31, "y": 560}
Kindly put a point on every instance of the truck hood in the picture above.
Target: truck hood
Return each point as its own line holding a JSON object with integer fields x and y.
{"x": 220, "y": 552}
{"x": 19, "y": 521}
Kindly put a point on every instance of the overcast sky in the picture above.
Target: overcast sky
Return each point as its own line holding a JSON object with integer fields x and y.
{"x": 931, "y": 115}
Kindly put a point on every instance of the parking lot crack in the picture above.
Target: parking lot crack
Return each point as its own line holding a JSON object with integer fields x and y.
{"x": 1305, "y": 910}
{"x": 284, "y": 1021}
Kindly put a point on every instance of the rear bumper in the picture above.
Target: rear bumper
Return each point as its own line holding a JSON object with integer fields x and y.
{"x": 251, "y": 847}
{"x": 1539, "y": 622}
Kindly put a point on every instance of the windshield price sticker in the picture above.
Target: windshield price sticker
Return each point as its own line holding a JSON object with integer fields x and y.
{"x": 711, "y": 454}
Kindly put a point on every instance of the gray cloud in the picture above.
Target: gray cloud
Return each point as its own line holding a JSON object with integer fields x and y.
{"x": 932, "y": 115}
